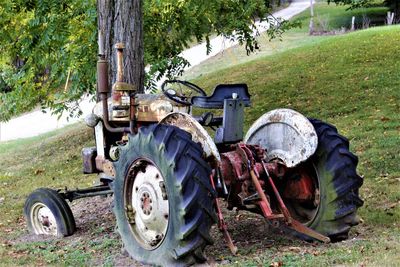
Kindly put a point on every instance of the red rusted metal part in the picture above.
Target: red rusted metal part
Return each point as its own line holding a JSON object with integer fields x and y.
{"x": 275, "y": 168}
{"x": 282, "y": 206}
{"x": 264, "y": 203}
{"x": 301, "y": 189}
{"x": 245, "y": 163}
{"x": 234, "y": 166}
{"x": 292, "y": 223}
{"x": 221, "y": 222}
{"x": 301, "y": 228}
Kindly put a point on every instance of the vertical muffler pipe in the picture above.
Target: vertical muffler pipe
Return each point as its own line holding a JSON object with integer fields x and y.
{"x": 103, "y": 88}
{"x": 102, "y": 69}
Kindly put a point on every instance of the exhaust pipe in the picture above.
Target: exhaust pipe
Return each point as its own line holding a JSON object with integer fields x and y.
{"x": 103, "y": 88}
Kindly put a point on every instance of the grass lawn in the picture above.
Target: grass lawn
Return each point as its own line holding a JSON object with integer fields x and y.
{"x": 351, "y": 81}
{"x": 335, "y": 16}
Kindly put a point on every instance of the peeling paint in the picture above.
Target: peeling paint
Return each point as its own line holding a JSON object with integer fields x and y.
{"x": 285, "y": 134}
{"x": 199, "y": 134}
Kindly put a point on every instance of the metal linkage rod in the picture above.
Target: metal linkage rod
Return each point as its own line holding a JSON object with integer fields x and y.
{"x": 290, "y": 221}
{"x": 221, "y": 222}
{"x": 72, "y": 195}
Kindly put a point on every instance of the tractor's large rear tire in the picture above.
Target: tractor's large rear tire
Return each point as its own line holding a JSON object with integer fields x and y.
{"x": 163, "y": 197}
{"x": 335, "y": 169}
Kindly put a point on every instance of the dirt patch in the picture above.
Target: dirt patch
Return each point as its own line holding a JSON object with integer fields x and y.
{"x": 92, "y": 213}
{"x": 95, "y": 220}
{"x": 30, "y": 238}
{"x": 95, "y": 224}
{"x": 251, "y": 234}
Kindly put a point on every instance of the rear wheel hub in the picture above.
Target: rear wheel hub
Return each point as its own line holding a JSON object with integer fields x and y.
{"x": 302, "y": 194}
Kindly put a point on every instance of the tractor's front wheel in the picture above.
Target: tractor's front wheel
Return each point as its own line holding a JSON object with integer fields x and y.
{"x": 163, "y": 197}
{"x": 47, "y": 213}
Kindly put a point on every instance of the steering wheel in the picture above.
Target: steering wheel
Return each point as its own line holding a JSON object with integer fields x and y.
{"x": 181, "y": 91}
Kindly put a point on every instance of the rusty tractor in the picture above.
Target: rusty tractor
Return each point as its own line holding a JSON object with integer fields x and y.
{"x": 167, "y": 174}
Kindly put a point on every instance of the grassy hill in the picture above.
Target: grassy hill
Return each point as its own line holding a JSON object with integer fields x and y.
{"x": 328, "y": 17}
{"x": 352, "y": 81}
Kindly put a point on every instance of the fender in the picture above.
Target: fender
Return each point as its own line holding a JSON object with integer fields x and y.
{"x": 285, "y": 134}
{"x": 199, "y": 134}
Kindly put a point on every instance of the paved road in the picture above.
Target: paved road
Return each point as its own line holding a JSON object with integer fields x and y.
{"x": 36, "y": 122}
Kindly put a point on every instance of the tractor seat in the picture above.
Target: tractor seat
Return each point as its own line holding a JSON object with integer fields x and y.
{"x": 222, "y": 92}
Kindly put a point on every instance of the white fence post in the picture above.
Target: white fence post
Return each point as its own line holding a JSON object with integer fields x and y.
{"x": 390, "y": 18}
{"x": 353, "y": 19}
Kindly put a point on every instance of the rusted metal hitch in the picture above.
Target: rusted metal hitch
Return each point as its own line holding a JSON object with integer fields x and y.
{"x": 244, "y": 167}
{"x": 292, "y": 223}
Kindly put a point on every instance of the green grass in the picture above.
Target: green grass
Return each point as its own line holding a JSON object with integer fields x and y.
{"x": 340, "y": 16}
{"x": 354, "y": 253}
{"x": 47, "y": 160}
{"x": 337, "y": 17}
{"x": 351, "y": 81}
{"x": 50, "y": 160}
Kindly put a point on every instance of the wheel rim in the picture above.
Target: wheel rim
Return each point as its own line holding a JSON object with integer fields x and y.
{"x": 304, "y": 209}
{"x": 43, "y": 220}
{"x": 146, "y": 203}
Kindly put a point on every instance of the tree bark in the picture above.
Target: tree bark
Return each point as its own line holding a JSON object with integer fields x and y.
{"x": 121, "y": 21}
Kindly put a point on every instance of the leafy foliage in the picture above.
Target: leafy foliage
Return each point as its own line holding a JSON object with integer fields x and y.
{"x": 392, "y": 4}
{"x": 41, "y": 41}
{"x": 48, "y": 48}
{"x": 171, "y": 26}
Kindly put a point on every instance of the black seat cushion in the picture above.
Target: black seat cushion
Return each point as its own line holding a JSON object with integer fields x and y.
{"x": 222, "y": 92}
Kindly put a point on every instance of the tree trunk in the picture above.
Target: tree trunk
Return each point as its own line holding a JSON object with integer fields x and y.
{"x": 121, "y": 21}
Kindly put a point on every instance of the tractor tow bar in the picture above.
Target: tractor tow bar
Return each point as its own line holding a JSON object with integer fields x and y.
{"x": 291, "y": 223}
{"x": 222, "y": 226}
{"x": 100, "y": 190}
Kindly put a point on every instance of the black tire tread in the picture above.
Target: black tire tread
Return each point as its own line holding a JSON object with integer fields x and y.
{"x": 68, "y": 215}
{"x": 192, "y": 178}
{"x": 342, "y": 164}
